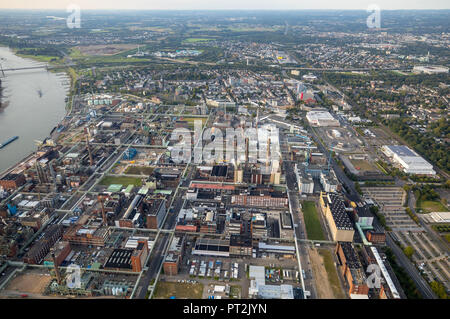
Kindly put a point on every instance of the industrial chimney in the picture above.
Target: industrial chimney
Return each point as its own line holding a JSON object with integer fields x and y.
{"x": 55, "y": 265}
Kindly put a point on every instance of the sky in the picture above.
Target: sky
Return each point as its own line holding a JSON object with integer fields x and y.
{"x": 225, "y": 4}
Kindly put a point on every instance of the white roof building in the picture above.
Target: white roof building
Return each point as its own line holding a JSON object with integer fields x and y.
{"x": 430, "y": 69}
{"x": 259, "y": 288}
{"x": 321, "y": 118}
{"x": 438, "y": 217}
{"x": 410, "y": 161}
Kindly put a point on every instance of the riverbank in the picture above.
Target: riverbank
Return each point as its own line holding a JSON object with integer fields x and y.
{"x": 38, "y": 101}
{"x": 59, "y": 64}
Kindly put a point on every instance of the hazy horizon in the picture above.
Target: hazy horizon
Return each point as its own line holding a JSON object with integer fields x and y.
{"x": 185, "y": 5}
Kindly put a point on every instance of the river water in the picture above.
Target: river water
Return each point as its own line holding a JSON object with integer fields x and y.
{"x": 36, "y": 104}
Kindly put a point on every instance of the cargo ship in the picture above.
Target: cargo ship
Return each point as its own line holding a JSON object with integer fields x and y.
{"x": 12, "y": 139}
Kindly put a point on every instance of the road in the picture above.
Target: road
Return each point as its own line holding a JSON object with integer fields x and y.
{"x": 154, "y": 264}
{"x": 163, "y": 239}
{"x": 300, "y": 231}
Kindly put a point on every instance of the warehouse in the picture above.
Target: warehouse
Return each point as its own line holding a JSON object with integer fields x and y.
{"x": 352, "y": 270}
{"x": 321, "y": 118}
{"x": 409, "y": 160}
{"x": 211, "y": 247}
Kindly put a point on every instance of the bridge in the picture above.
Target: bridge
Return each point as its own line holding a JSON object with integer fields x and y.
{"x": 45, "y": 66}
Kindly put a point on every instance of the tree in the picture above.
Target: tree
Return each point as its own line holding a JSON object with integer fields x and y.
{"x": 409, "y": 251}
{"x": 439, "y": 289}
{"x": 358, "y": 188}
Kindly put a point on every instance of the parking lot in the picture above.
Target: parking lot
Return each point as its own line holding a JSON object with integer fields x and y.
{"x": 429, "y": 257}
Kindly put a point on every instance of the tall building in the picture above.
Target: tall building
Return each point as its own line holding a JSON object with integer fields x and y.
{"x": 352, "y": 271}
{"x": 335, "y": 213}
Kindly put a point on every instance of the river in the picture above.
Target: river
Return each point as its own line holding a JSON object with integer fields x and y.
{"x": 36, "y": 104}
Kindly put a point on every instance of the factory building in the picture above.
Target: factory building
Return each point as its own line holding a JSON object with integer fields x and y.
{"x": 240, "y": 245}
{"x": 259, "y": 289}
{"x": 128, "y": 259}
{"x": 34, "y": 219}
{"x": 410, "y": 161}
{"x": 259, "y": 201}
{"x": 12, "y": 181}
{"x": 352, "y": 271}
{"x": 139, "y": 255}
{"x": 156, "y": 212}
{"x": 41, "y": 248}
{"x": 305, "y": 181}
{"x": 336, "y": 215}
{"x": 430, "y": 69}
{"x": 321, "y": 118}
{"x": 87, "y": 235}
{"x": 61, "y": 250}
{"x": 174, "y": 256}
{"x": 329, "y": 182}
{"x": 211, "y": 247}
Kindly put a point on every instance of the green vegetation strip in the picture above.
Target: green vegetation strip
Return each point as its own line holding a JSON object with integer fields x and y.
{"x": 165, "y": 290}
{"x": 332, "y": 273}
{"x": 429, "y": 206}
{"x": 405, "y": 280}
{"x": 124, "y": 180}
{"x": 137, "y": 170}
{"x": 312, "y": 223}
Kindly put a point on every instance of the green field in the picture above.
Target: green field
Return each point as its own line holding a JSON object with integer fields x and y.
{"x": 165, "y": 290}
{"x": 124, "y": 180}
{"x": 195, "y": 40}
{"x": 235, "y": 292}
{"x": 139, "y": 170}
{"x": 191, "y": 120}
{"x": 40, "y": 58}
{"x": 428, "y": 206}
{"x": 312, "y": 223}
{"x": 332, "y": 273}
{"x": 362, "y": 165}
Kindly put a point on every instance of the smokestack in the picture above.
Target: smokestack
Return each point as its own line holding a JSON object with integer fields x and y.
{"x": 101, "y": 199}
{"x": 246, "y": 149}
{"x": 55, "y": 264}
{"x": 268, "y": 152}
{"x": 91, "y": 160}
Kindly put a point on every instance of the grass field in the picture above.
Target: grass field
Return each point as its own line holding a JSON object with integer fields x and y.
{"x": 312, "y": 223}
{"x": 192, "y": 120}
{"x": 428, "y": 206}
{"x": 139, "y": 170}
{"x": 40, "y": 58}
{"x": 362, "y": 165}
{"x": 124, "y": 180}
{"x": 195, "y": 40}
{"x": 332, "y": 273}
{"x": 235, "y": 292}
{"x": 165, "y": 290}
